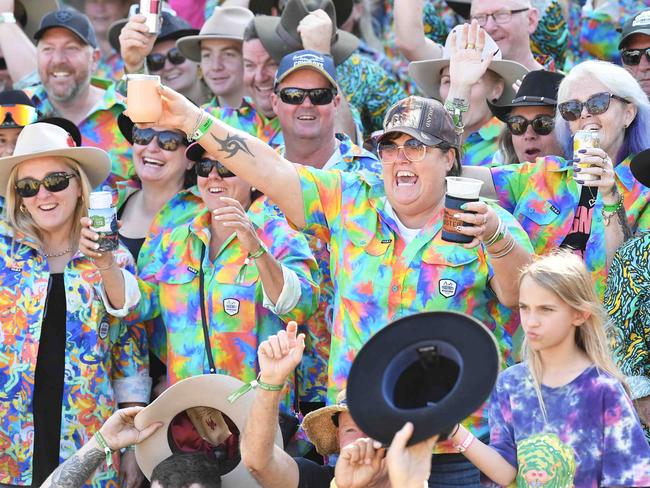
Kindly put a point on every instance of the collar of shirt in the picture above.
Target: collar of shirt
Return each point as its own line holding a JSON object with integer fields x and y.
{"x": 622, "y": 170}
{"x": 108, "y": 101}
{"x": 490, "y": 130}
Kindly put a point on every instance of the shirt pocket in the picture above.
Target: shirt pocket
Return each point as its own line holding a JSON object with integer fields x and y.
{"x": 450, "y": 271}
{"x": 538, "y": 212}
{"x": 234, "y": 299}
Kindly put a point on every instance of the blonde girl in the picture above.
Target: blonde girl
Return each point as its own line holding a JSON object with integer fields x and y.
{"x": 561, "y": 418}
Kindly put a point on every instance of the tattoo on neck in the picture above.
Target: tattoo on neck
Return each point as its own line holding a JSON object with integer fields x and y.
{"x": 76, "y": 470}
{"x": 231, "y": 145}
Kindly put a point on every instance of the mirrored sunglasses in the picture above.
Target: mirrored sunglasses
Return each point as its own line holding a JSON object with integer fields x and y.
{"x": 204, "y": 165}
{"x": 17, "y": 115}
{"x": 543, "y": 125}
{"x": 167, "y": 139}
{"x": 596, "y": 104}
{"x": 317, "y": 96}
{"x": 53, "y": 182}
{"x": 632, "y": 57}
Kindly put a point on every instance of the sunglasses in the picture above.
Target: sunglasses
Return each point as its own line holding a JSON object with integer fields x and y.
{"x": 413, "y": 150}
{"x": 20, "y": 115}
{"x": 156, "y": 61}
{"x": 204, "y": 166}
{"x": 543, "y": 125}
{"x": 54, "y": 182}
{"x": 317, "y": 96}
{"x": 596, "y": 104}
{"x": 167, "y": 140}
{"x": 632, "y": 57}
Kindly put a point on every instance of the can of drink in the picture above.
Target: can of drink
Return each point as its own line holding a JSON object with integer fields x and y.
{"x": 584, "y": 139}
{"x": 151, "y": 10}
{"x": 104, "y": 220}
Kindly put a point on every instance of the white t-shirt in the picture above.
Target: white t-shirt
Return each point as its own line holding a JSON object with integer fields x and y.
{"x": 407, "y": 233}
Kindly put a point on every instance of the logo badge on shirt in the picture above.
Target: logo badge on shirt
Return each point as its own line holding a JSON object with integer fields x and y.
{"x": 553, "y": 208}
{"x": 17, "y": 266}
{"x": 447, "y": 288}
{"x": 103, "y": 329}
{"x": 193, "y": 270}
{"x": 231, "y": 306}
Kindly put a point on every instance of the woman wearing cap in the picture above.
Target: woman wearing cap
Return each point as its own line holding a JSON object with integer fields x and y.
{"x": 65, "y": 361}
{"x": 530, "y": 120}
{"x": 592, "y": 204}
{"x": 388, "y": 258}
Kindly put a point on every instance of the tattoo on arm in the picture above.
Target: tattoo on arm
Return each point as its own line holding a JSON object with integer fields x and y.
{"x": 622, "y": 219}
{"x": 231, "y": 145}
{"x": 76, "y": 470}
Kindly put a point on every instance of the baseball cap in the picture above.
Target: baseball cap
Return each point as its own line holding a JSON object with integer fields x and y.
{"x": 422, "y": 118}
{"x": 639, "y": 24}
{"x": 306, "y": 59}
{"x": 70, "y": 19}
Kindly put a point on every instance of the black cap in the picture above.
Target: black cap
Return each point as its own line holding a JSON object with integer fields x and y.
{"x": 70, "y": 19}
{"x": 639, "y": 24}
{"x": 15, "y": 97}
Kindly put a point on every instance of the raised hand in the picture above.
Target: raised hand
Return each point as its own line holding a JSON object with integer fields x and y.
{"x": 409, "y": 466}
{"x": 360, "y": 464}
{"x": 466, "y": 66}
{"x": 135, "y": 43}
{"x": 233, "y": 216}
{"x": 315, "y": 31}
{"x": 120, "y": 431}
{"x": 280, "y": 354}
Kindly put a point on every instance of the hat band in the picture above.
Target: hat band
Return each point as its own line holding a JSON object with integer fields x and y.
{"x": 527, "y": 98}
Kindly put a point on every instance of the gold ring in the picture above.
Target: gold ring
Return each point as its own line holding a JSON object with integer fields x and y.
{"x": 470, "y": 46}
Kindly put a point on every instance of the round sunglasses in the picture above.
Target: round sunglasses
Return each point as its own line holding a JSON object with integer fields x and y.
{"x": 204, "y": 165}
{"x": 542, "y": 125}
{"x": 167, "y": 139}
{"x": 156, "y": 61}
{"x": 53, "y": 182}
{"x": 596, "y": 104}
{"x": 317, "y": 96}
{"x": 413, "y": 150}
{"x": 632, "y": 57}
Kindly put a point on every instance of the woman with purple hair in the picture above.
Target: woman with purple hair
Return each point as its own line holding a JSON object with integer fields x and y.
{"x": 586, "y": 199}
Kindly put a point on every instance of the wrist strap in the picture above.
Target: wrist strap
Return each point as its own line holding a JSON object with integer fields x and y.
{"x": 463, "y": 446}
{"x": 104, "y": 445}
{"x": 203, "y": 124}
{"x": 253, "y": 384}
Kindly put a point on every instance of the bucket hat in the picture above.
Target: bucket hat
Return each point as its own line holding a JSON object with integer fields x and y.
{"x": 321, "y": 429}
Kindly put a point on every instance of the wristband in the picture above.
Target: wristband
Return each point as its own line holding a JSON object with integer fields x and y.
{"x": 253, "y": 384}
{"x": 463, "y": 446}
{"x": 7, "y": 18}
{"x": 259, "y": 253}
{"x": 613, "y": 208}
{"x": 456, "y": 108}
{"x": 203, "y": 126}
{"x": 104, "y": 445}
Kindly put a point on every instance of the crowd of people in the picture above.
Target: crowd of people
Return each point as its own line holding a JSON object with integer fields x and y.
{"x": 289, "y": 202}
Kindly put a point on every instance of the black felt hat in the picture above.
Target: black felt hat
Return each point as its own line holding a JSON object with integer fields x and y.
{"x": 432, "y": 369}
{"x": 640, "y": 167}
{"x": 538, "y": 88}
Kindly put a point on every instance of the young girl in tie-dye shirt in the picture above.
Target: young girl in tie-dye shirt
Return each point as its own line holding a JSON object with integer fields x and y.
{"x": 562, "y": 418}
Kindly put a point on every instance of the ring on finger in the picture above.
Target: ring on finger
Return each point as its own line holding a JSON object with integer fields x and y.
{"x": 470, "y": 45}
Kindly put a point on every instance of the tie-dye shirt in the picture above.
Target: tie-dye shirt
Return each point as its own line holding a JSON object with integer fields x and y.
{"x": 102, "y": 366}
{"x": 312, "y": 371}
{"x": 378, "y": 277}
{"x": 233, "y": 290}
{"x": 627, "y": 299}
{"x": 544, "y": 197}
{"x": 110, "y": 68}
{"x": 99, "y": 129}
{"x": 592, "y": 436}
{"x": 480, "y": 147}
{"x": 248, "y": 119}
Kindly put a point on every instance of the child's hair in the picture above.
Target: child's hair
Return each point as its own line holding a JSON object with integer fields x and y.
{"x": 565, "y": 274}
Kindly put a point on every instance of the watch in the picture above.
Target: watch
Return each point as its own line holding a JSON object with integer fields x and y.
{"x": 7, "y": 18}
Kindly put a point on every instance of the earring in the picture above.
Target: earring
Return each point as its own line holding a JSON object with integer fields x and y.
{"x": 253, "y": 189}
{"x": 23, "y": 209}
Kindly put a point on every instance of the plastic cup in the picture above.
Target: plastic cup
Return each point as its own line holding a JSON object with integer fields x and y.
{"x": 459, "y": 191}
{"x": 143, "y": 102}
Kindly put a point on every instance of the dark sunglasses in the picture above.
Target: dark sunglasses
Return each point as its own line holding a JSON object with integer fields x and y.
{"x": 204, "y": 166}
{"x": 596, "y": 104}
{"x": 167, "y": 140}
{"x": 542, "y": 124}
{"x": 156, "y": 61}
{"x": 54, "y": 182}
{"x": 413, "y": 149}
{"x": 317, "y": 96}
{"x": 632, "y": 57}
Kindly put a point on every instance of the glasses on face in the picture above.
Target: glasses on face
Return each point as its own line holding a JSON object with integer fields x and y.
{"x": 632, "y": 57}
{"x": 156, "y": 61}
{"x": 413, "y": 150}
{"x": 167, "y": 140}
{"x": 500, "y": 17}
{"x": 542, "y": 124}
{"x": 53, "y": 182}
{"x": 20, "y": 115}
{"x": 318, "y": 96}
{"x": 204, "y": 166}
{"x": 596, "y": 104}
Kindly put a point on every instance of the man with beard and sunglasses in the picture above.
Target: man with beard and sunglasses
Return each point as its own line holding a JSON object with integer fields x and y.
{"x": 635, "y": 48}
{"x": 305, "y": 99}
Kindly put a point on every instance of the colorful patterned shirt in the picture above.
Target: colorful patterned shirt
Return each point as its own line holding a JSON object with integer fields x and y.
{"x": 627, "y": 299}
{"x": 480, "y": 147}
{"x": 238, "y": 321}
{"x": 591, "y": 437}
{"x": 100, "y": 362}
{"x": 98, "y": 129}
{"x": 312, "y": 372}
{"x": 110, "y": 68}
{"x": 377, "y": 277}
{"x": 248, "y": 119}
{"x": 543, "y": 196}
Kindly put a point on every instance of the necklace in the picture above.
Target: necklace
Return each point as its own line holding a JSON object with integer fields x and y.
{"x": 57, "y": 254}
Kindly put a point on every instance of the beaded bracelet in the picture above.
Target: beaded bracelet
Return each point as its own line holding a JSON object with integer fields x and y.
{"x": 104, "y": 445}
{"x": 253, "y": 384}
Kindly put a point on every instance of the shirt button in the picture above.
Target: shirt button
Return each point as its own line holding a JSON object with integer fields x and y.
{"x": 395, "y": 288}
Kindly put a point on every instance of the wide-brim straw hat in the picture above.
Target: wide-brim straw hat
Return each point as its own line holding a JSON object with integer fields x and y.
{"x": 320, "y": 428}
{"x": 427, "y": 73}
{"x": 43, "y": 139}
{"x": 224, "y": 23}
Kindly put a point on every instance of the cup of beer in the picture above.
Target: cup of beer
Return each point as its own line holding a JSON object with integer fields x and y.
{"x": 459, "y": 191}
{"x": 584, "y": 139}
{"x": 143, "y": 101}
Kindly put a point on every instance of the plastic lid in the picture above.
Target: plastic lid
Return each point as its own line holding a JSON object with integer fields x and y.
{"x": 101, "y": 199}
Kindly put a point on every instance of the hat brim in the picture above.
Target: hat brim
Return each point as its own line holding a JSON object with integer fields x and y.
{"x": 125, "y": 124}
{"x": 461, "y": 8}
{"x": 36, "y": 10}
{"x": 502, "y": 112}
{"x": 265, "y": 26}
{"x": 369, "y": 388}
{"x": 640, "y": 167}
{"x": 417, "y": 134}
{"x": 209, "y": 390}
{"x": 94, "y": 161}
{"x": 621, "y": 43}
{"x": 427, "y": 76}
{"x": 190, "y": 46}
{"x": 194, "y": 151}
{"x": 306, "y": 66}
{"x": 116, "y": 28}
{"x": 321, "y": 431}
{"x": 67, "y": 125}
